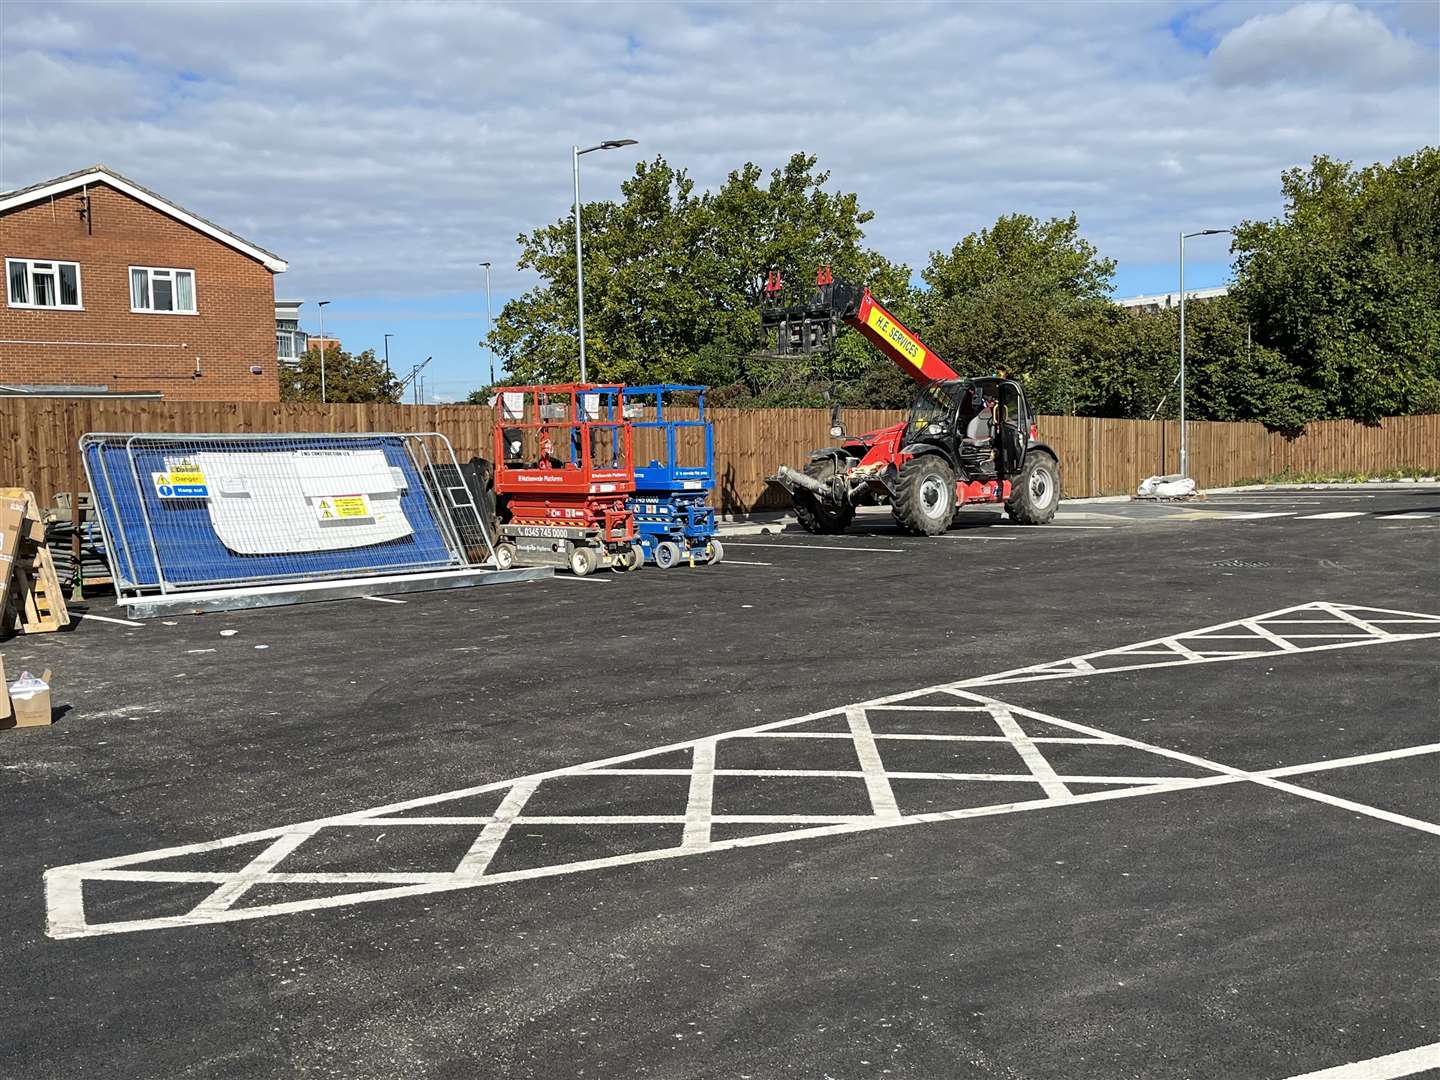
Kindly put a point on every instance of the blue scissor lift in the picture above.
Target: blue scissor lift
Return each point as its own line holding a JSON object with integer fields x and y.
{"x": 674, "y": 521}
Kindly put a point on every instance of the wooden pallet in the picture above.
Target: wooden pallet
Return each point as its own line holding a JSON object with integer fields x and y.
{"x": 30, "y": 598}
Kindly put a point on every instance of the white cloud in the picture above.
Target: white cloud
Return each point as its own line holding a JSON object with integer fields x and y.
{"x": 1325, "y": 44}
{"x": 385, "y": 149}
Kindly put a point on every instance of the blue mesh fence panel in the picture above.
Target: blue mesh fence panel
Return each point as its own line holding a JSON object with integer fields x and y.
{"x": 190, "y": 511}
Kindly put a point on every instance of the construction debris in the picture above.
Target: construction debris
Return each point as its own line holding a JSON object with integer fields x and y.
{"x": 30, "y": 598}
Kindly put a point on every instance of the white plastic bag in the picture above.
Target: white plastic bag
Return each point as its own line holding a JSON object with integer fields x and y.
{"x": 1165, "y": 487}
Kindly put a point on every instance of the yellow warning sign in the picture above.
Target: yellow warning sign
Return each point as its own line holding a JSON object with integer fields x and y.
{"x": 344, "y": 508}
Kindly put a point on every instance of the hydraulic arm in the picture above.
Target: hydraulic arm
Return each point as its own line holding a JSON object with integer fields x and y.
{"x": 811, "y": 327}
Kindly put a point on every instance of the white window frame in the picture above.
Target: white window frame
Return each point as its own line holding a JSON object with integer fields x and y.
{"x": 30, "y": 264}
{"x": 150, "y": 272}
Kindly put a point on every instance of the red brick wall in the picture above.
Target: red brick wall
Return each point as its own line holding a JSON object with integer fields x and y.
{"x": 234, "y": 294}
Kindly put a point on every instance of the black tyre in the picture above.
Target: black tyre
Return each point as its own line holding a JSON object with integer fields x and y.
{"x": 826, "y": 518}
{"x": 1035, "y": 494}
{"x": 925, "y": 495}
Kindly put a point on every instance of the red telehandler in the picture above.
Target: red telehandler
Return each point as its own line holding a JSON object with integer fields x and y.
{"x": 965, "y": 440}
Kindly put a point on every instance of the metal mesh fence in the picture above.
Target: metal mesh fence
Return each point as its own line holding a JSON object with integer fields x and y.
{"x": 198, "y": 511}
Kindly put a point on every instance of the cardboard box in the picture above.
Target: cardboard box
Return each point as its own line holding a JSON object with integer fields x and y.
{"x": 29, "y": 701}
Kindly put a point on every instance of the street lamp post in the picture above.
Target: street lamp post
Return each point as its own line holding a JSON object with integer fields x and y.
{"x": 1184, "y": 442}
{"x": 387, "y": 353}
{"x": 608, "y": 144}
{"x": 489, "y": 349}
{"x": 322, "y": 350}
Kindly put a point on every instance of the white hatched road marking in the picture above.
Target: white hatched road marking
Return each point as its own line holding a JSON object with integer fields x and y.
{"x": 64, "y": 884}
{"x": 473, "y": 865}
{"x": 877, "y": 783}
{"x": 698, "y": 805}
{"x": 1386, "y": 1067}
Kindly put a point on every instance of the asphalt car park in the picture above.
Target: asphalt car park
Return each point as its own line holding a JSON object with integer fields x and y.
{"x": 1150, "y": 792}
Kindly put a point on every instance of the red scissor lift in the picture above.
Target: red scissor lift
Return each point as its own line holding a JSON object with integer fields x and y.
{"x": 564, "y": 470}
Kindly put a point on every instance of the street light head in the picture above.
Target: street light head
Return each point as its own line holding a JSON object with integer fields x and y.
{"x": 486, "y": 264}
{"x": 322, "y": 303}
{"x": 615, "y": 144}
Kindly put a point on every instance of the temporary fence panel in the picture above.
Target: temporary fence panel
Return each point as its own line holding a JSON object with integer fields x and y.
{"x": 206, "y": 510}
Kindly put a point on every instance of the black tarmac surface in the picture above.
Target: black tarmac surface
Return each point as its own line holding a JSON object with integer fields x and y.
{"x": 1226, "y": 931}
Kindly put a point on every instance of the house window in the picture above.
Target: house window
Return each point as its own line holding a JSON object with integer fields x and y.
{"x": 43, "y": 284}
{"x": 153, "y": 288}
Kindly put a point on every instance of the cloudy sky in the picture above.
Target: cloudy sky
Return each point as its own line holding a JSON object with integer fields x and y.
{"x": 385, "y": 149}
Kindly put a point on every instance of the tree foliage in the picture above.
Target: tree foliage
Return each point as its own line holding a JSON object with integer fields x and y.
{"x": 1347, "y": 284}
{"x": 348, "y": 377}
{"x": 674, "y": 280}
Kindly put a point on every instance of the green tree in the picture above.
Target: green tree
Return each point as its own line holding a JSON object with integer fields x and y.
{"x": 1010, "y": 297}
{"x": 348, "y": 377}
{"x": 674, "y": 280}
{"x": 1346, "y": 284}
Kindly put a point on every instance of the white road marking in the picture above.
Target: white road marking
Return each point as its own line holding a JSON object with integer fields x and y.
{"x": 741, "y": 562}
{"x": 383, "y": 599}
{"x": 1410, "y": 516}
{"x": 815, "y": 547}
{"x": 64, "y": 884}
{"x": 104, "y": 618}
{"x": 1334, "y": 515}
{"x": 877, "y": 783}
{"x": 1246, "y": 515}
{"x": 1385, "y": 1067}
{"x": 1034, "y": 760}
{"x": 473, "y": 865}
{"x": 1343, "y": 619}
{"x": 586, "y": 578}
{"x": 700, "y": 802}
{"x": 1052, "y": 525}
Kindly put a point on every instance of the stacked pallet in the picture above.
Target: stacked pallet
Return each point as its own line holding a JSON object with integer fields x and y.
{"x": 30, "y": 598}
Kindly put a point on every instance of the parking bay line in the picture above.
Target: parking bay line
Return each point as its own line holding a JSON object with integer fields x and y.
{"x": 105, "y": 618}
{"x": 742, "y": 562}
{"x": 382, "y": 599}
{"x": 816, "y": 547}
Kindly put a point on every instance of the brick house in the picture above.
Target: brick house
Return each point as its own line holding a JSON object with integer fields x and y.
{"x": 111, "y": 288}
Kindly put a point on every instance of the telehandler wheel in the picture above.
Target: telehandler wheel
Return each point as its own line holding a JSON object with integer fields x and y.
{"x": 583, "y": 561}
{"x": 925, "y": 495}
{"x": 817, "y": 517}
{"x": 1036, "y": 492}
{"x": 504, "y": 556}
{"x": 667, "y": 554}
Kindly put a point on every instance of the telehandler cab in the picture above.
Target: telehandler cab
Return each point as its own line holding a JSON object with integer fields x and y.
{"x": 965, "y": 440}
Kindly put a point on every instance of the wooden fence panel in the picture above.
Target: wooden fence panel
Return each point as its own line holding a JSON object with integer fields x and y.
{"x": 1097, "y": 456}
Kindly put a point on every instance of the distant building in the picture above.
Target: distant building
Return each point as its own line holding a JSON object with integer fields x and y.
{"x": 290, "y": 341}
{"x": 328, "y": 343}
{"x": 1165, "y": 301}
{"x": 111, "y": 288}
